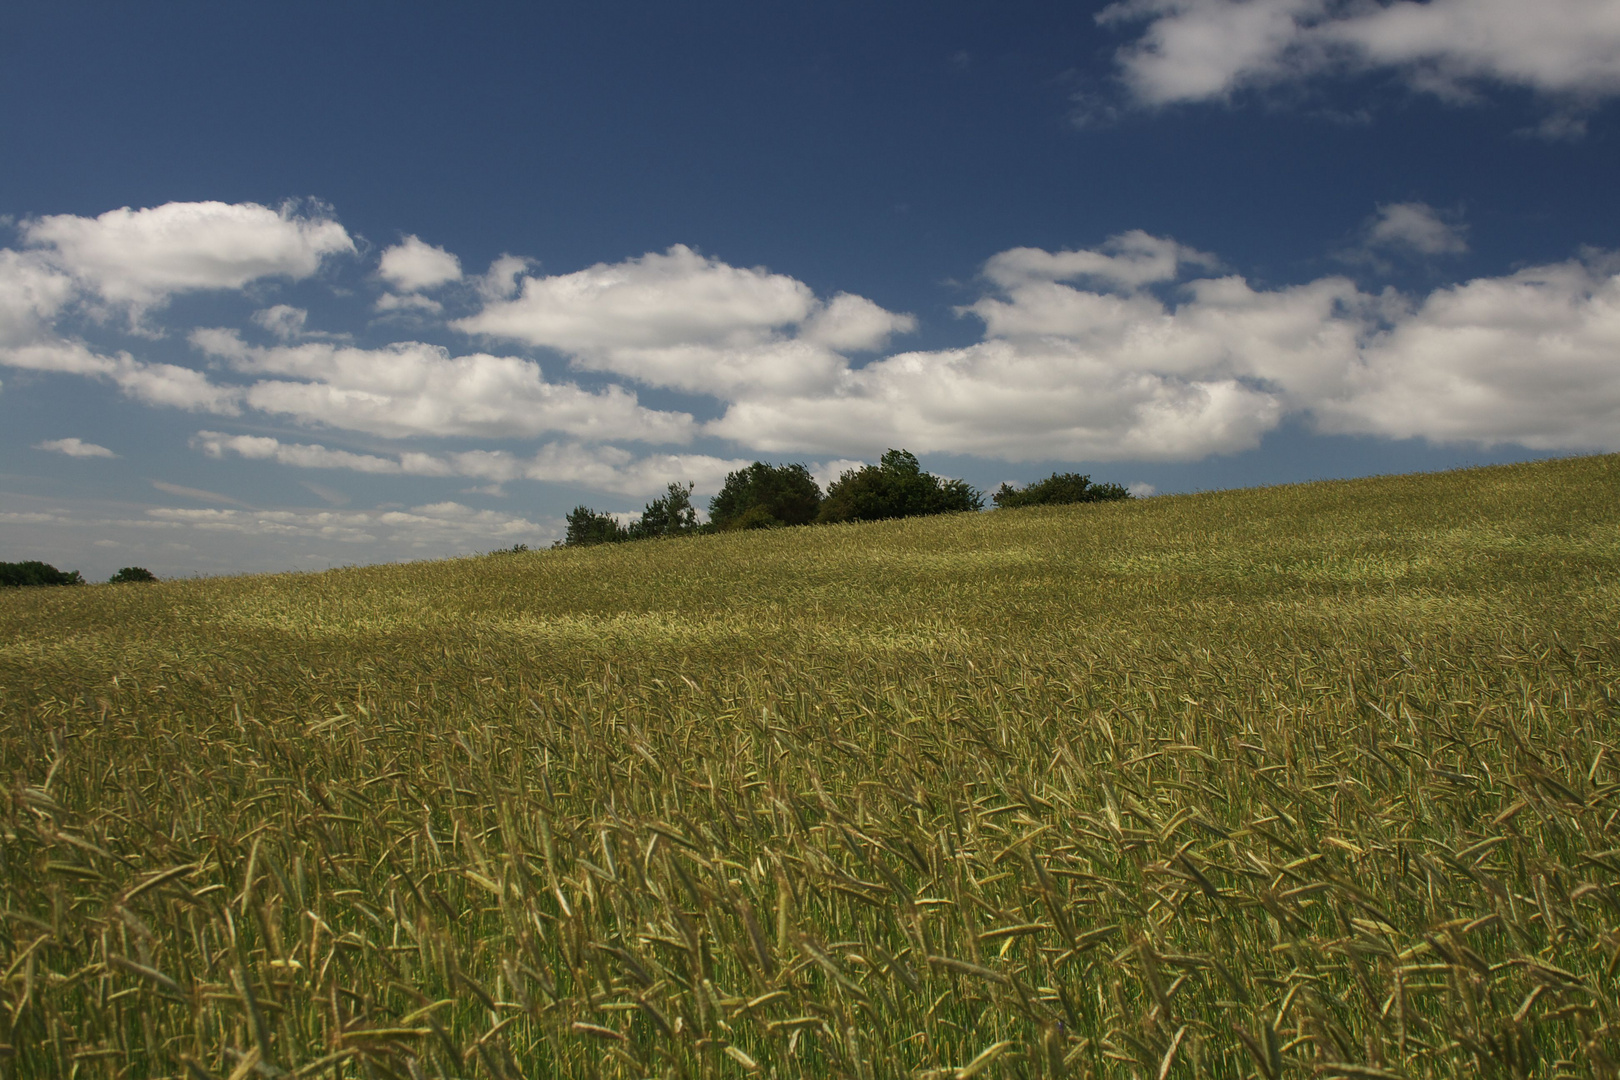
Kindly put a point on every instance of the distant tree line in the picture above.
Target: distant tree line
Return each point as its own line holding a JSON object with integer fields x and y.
{"x": 14, "y": 575}
{"x": 764, "y": 496}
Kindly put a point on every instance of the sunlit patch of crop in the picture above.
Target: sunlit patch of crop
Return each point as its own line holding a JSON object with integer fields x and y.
{"x": 1318, "y": 781}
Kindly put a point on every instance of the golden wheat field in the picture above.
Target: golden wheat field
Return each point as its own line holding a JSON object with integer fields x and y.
{"x": 1309, "y": 781}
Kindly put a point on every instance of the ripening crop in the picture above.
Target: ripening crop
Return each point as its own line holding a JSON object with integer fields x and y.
{"x": 1315, "y": 781}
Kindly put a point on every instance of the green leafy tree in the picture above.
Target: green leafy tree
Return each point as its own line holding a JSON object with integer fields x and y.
{"x": 33, "y": 572}
{"x": 587, "y": 527}
{"x": 764, "y": 496}
{"x": 896, "y": 487}
{"x": 671, "y": 514}
{"x": 132, "y": 573}
{"x": 1056, "y": 490}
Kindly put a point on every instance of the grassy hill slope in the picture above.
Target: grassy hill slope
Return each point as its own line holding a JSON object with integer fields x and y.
{"x": 1315, "y": 780}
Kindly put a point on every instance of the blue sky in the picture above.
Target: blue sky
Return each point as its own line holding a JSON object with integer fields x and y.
{"x": 291, "y": 286}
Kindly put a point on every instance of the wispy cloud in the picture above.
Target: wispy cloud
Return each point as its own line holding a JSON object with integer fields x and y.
{"x": 197, "y": 493}
{"x": 605, "y": 468}
{"x": 77, "y": 448}
{"x": 330, "y": 496}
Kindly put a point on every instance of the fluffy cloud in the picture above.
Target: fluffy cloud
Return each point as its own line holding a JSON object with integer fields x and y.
{"x": 1090, "y": 354}
{"x": 850, "y": 323}
{"x": 1015, "y": 401}
{"x": 605, "y": 468}
{"x": 413, "y": 265}
{"x": 139, "y": 257}
{"x": 766, "y": 367}
{"x": 410, "y": 388}
{"x": 1195, "y": 50}
{"x": 1415, "y": 227}
{"x": 1079, "y": 374}
{"x": 688, "y": 322}
{"x": 31, "y": 294}
{"x": 75, "y": 448}
{"x": 1139, "y": 348}
{"x": 676, "y": 298}
{"x": 1528, "y": 358}
{"x": 501, "y": 280}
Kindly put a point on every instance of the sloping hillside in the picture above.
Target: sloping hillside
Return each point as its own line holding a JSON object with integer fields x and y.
{"x": 1315, "y": 780}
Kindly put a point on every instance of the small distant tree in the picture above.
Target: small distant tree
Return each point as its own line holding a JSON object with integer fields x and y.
{"x": 587, "y": 527}
{"x": 765, "y": 496}
{"x": 671, "y": 514}
{"x": 132, "y": 573}
{"x": 34, "y": 572}
{"x": 896, "y": 487}
{"x": 1056, "y": 490}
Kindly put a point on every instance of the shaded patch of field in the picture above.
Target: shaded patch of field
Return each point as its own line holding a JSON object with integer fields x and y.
{"x": 1308, "y": 781}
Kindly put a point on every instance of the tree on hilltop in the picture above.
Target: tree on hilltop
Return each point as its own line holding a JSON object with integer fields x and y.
{"x": 671, "y": 514}
{"x": 33, "y": 572}
{"x": 587, "y": 527}
{"x": 765, "y": 496}
{"x": 896, "y": 487}
{"x": 1057, "y": 490}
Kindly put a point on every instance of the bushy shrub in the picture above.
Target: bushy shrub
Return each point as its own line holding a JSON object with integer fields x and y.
{"x": 132, "y": 573}
{"x": 896, "y": 487}
{"x": 671, "y": 514}
{"x": 1056, "y": 490}
{"x": 586, "y": 527}
{"x": 33, "y": 572}
{"x": 764, "y": 496}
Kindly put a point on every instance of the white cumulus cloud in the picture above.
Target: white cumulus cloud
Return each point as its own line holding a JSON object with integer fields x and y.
{"x": 139, "y": 257}
{"x": 1072, "y": 373}
{"x": 413, "y": 265}
{"x": 850, "y": 323}
{"x": 689, "y": 322}
{"x": 502, "y": 279}
{"x": 1140, "y": 347}
{"x": 411, "y": 388}
{"x": 1192, "y": 50}
{"x": 674, "y": 298}
{"x": 1529, "y": 358}
{"x": 32, "y": 292}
